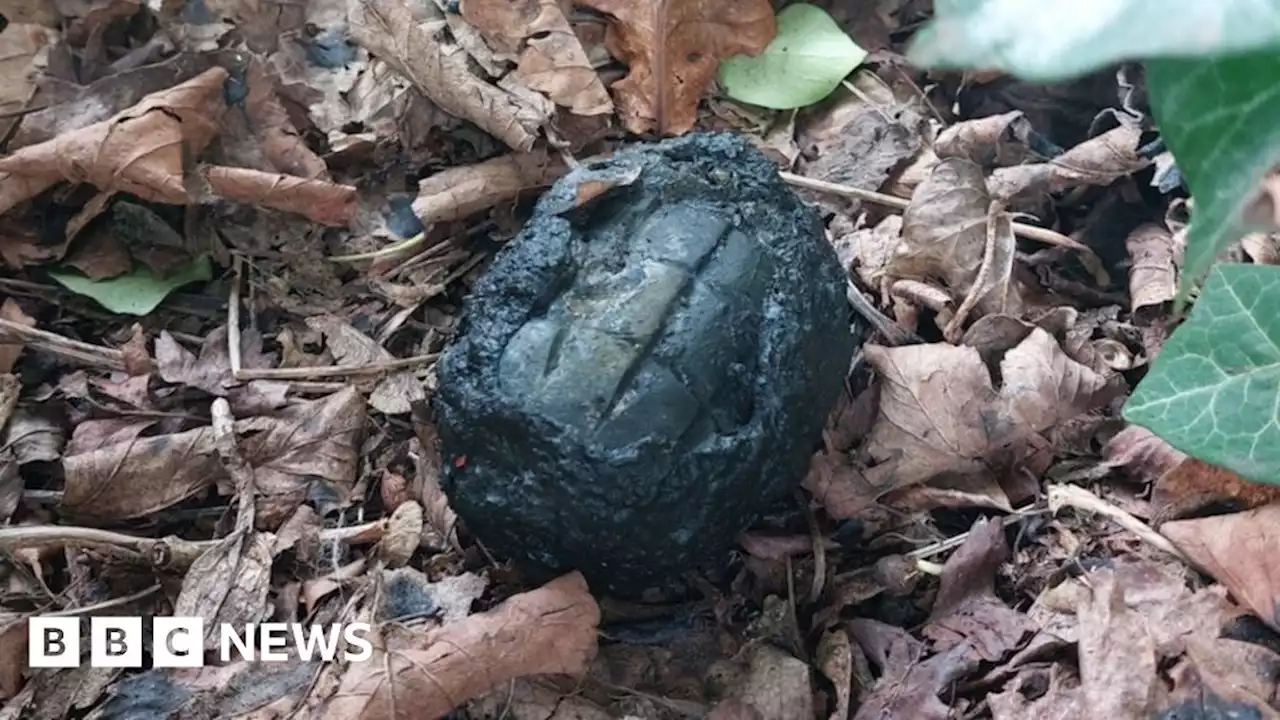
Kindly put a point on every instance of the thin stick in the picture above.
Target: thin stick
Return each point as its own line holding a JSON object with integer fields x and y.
{"x": 330, "y": 371}
{"x": 66, "y": 348}
{"x": 955, "y": 328}
{"x": 1080, "y": 498}
{"x": 1028, "y": 232}
{"x": 233, "y": 317}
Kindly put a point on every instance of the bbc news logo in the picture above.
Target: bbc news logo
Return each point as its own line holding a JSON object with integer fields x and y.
{"x": 118, "y": 642}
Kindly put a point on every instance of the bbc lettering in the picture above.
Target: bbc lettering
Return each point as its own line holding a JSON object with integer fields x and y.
{"x": 117, "y": 642}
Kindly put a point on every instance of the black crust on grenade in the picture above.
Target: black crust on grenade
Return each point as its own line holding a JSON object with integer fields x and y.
{"x": 636, "y": 379}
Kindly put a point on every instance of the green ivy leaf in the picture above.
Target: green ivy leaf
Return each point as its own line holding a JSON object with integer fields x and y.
{"x": 1046, "y": 40}
{"x": 1218, "y": 117}
{"x": 807, "y": 59}
{"x": 1214, "y": 390}
{"x": 138, "y": 292}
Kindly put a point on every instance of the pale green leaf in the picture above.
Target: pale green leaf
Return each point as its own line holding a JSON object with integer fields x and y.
{"x": 1049, "y": 40}
{"x": 807, "y": 59}
{"x": 1219, "y": 118}
{"x": 1213, "y": 392}
{"x": 138, "y": 292}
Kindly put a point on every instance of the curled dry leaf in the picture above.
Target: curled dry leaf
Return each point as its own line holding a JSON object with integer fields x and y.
{"x": 282, "y": 147}
{"x": 1098, "y": 161}
{"x": 138, "y": 151}
{"x": 229, "y": 583}
{"x": 321, "y": 201}
{"x": 1153, "y": 276}
{"x": 549, "y": 630}
{"x": 992, "y": 141}
{"x": 551, "y": 58}
{"x": 673, "y": 48}
{"x": 387, "y": 28}
{"x": 403, "y": 535}
{"x": 945, "y": 236}
{"x": 462, "y": 191}
{"x": 941, "y": 412}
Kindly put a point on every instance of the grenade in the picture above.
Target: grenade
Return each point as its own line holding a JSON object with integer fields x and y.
{"x": 646, "y": 367}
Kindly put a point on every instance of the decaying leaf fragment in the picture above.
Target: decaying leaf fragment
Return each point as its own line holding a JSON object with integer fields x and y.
{"x": 387, "y": 28}
{"x": 551, "y": 59}
{"x": 549, "y": 630}
{"x": 674, "y": 48}
{"x": 138, "y": 151}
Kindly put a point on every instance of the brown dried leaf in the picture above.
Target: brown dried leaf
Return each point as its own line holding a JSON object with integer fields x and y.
{"x": 13, "y": 654}
{"x": 1098, "y": 161}
{"x": 305, "y": 443}
{"x": 674, "y": 48}
{"x": 552, "y": 61}
{"x": 127, "y": 477}
{"x": 991, "y": 141}
{"x": 940, "y": 411}
{"x": 1219, "y": 676}
{"x": 1196, "y": 485}
{"x": 549, "y": 630}
{"x": 966, "y": 608}
{"x": 1237, "y": 550}
{"x": 210, "y": 372}
{"x": 394, "y": 394}
{"x": 835, "y": 660}
{"x": 868, "y": 251}
{"x": 462, "y": 191}
{"x": 1118, "y": 663}
{"x": 841, "y": 487}
{"x": 321, "y": 201}
{"x": 138, "y": 151}
{"x": 229, "y": 583}
{"x": 24, "y": 50}
{"x": 1153, "y": 276}
{"x": 944, "y": 236}
{"x": 388, "y": 29}
{"x": 403, "y": 535}
{"x": 1145, "y": 455}
{"x": 908, "y": 687}
{"x": 282, "y": 147}
{"x": 9, "y": 352}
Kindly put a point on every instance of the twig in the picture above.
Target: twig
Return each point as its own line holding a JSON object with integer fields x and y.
{"x": 330, "y": 371}
{"x": 1075, "y": 496}
{"x": 66, "y": 348}
{"x": 105, "y": 604}
{"x": 894, "y": 334}
{"x": 171, "y": 552}
{"x": 958, "y": 540}
{"x": 233, "y": 317}
{"x": 1029, "y": 232}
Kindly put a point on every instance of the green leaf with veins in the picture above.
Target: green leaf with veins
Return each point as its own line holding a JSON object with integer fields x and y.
{"x": 1214, "y": 390}
{"x": 137, "y": 292}
{"x": 806, "y": 60}
{"x": 1048, "y": 40}
{"x": 1221, "y": 119}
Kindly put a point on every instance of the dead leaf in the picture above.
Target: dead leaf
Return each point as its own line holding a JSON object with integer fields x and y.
{"x": 13, "y": 654}
{"x": 991, "y": 141}
{"x": 462, "y": 191}
{"x": 9, "y": 352}
{"x": 673, "y": 48}
{"x": 842, "y": 488}
{"x": 1195, "y": 485}
{"x": 1098, "y": 161}
{"x": 1118, "y": 664}
{"x": 1153, "y": 276}
{"x": 229, "y": 583}
{"x": 966, "y": 608}
{"x": 1037, "y": 694}
{"x": 734, "y": 709}
{"x": 139, "y": 151}
{"x": 867, "y": 251}
{"x": 908, "y": 687}
{"x": 24, "y": 51}
{"x": 941, "y": 412}
{"x": 393, "y": 395}
{"x": 1262, "y": 248}
{"x": 387, "y": 29}
{"x": 551, "y": 58}
{"x": 1145, "y": 455}
{"x": 835, "y": 660}
{"x": 1235, "y": 550}
{"x": 403, "y": 535}
{"x": 1220, "y": 677}
{"x": 283, "y": 147}
{"x": 549, "y": 630}
{"x": 320, "y": 201}
{"x": 210, "y": 372}
{"x": 945, "y": 236}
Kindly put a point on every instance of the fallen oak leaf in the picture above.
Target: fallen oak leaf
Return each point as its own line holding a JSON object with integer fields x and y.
{"x": 674, "y": 48}
{"x": 549, "y": 630}
{"x": 138, "y": 151}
